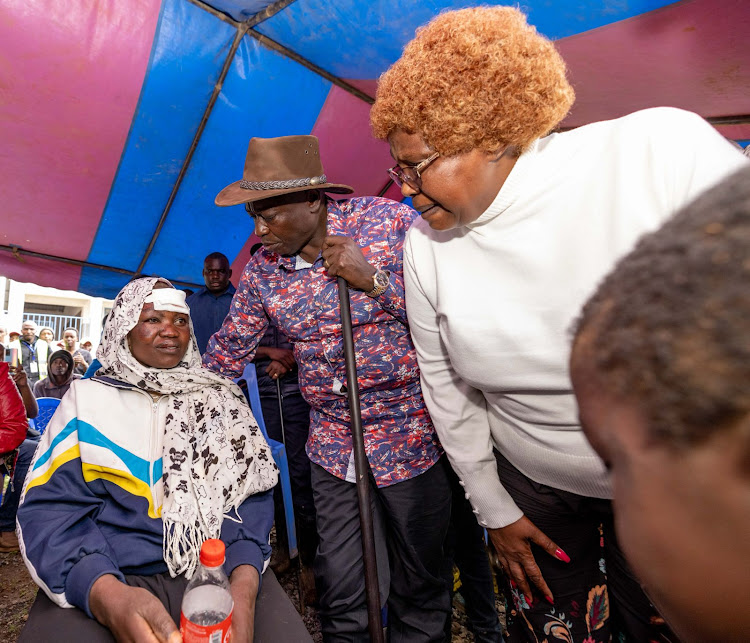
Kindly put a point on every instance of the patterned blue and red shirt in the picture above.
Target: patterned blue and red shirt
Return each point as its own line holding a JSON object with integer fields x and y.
{"x": 302, "y": 301}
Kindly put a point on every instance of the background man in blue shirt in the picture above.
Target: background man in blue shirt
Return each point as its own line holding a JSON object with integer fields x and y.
{"x": 210, "y": 305}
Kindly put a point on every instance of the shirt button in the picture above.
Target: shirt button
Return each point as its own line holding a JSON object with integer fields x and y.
{"x": 462, "y": 483}
{"x": 475, "y": 511}
{"x": 483, "y": 523}
{"x": 467, "y": 495}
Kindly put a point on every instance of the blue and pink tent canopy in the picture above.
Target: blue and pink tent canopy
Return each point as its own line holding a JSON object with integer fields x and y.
{"x": 120, "y": 121}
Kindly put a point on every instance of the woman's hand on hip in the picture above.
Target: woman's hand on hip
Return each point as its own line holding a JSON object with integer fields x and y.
{"x": 513, "y": 546}
{"x": 131, "y": 613}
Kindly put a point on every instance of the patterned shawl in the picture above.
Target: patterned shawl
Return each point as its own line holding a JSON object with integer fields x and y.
{"x": 214, "y": 454}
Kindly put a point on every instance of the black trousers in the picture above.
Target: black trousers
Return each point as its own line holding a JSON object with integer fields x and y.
{"x": 411, "y": 521}
{"x": 597, "y": 597}
{"x": 296, "y": 430}
{"x": 466, "y": 546}
{"x": 276, "y": 619}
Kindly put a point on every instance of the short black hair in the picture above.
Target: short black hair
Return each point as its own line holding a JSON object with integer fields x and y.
{"x": 255, "y": 247}
{"x": 669, "y": 327}
{"x": 216, "y": 255}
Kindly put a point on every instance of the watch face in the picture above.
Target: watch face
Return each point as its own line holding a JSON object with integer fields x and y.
{"x": 381, "y": 278}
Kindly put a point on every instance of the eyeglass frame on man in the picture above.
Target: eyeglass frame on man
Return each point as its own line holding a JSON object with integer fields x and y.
{"x": 398, "y": 173}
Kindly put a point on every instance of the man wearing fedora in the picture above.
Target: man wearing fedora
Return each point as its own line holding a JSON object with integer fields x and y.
{"x": 309, "y": 240}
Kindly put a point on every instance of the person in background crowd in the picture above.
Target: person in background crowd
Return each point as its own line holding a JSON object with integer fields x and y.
{"x": 661, "y": 370}
{"x": 210, "y": 305}
{"x": 87, "y": 345}
{"x": 4, "y": 339}
{"x": 308, "y": 241}
{"x": 518, "y": 226}
{"x": 103, "y": 535}
{"x": 32, "y": 353}
{"x": 8, "y": 538}
{"x": 61, "y": 376}
{"x": 13, "y": 336}
{"x": 287, "y": 418}
{"x": 48, "y": 335}
{"x": 81, "y": 357}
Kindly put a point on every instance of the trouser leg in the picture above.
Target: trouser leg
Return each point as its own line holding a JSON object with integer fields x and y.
{"x": 581, "y": 608}
{"x": 417, "y": 514}
{"x": 10, "y": 501}
{"x": 470, "y": 555}
{"x": 339, "y": 568}
{"x": 276, "y": 619}
{"x": 48, "y": 622}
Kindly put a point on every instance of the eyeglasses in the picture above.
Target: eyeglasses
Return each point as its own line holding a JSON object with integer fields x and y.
{"x": 411, "y": 174}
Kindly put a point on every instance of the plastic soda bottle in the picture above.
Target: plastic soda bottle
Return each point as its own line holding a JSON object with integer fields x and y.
{"x": 207, "y": 604}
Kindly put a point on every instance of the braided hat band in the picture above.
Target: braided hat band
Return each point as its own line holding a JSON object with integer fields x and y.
{"x": 283, "y": 185}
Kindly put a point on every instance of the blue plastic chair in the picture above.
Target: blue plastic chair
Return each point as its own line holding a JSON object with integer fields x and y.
{"x": 47, "y": 408}
{"x": 250, "y": 379}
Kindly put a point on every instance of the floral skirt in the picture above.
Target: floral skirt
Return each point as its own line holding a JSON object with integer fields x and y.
{"x": 597, "y": 598}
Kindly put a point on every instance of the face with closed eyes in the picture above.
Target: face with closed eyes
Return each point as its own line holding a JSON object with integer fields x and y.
{"x": 161, "y": 338}
{"x": 455, "y": 190}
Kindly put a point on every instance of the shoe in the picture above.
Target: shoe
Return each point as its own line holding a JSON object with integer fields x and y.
{"x": 307, "y": 592}
{"x": 8, "y": 542}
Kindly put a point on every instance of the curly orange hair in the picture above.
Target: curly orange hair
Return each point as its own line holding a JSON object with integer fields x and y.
{"x": 479, "y": 78}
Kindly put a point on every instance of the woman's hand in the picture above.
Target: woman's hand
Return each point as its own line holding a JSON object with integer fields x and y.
{"x": 244, "y": 582}
{"x": 131, "y": 613}
{"x": 342, "y": 257}
{"x": 512, "y": 544}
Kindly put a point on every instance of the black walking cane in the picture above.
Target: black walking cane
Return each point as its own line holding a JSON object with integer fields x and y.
{"x": 361, "y": 469}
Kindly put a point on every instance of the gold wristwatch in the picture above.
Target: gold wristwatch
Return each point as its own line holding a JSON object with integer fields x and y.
{"x": 380, "y": 281}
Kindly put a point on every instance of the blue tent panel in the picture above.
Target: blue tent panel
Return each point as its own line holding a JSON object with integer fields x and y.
{"x": 264, "y": 94}
{"x": 189, "y": 50}
{"x": 334, "y": 38}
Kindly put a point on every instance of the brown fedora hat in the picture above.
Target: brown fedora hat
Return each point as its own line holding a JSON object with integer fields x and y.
{"x": 280, "y": 165}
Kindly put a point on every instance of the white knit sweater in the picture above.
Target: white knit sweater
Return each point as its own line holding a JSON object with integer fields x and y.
{"x": 490, "y": 304}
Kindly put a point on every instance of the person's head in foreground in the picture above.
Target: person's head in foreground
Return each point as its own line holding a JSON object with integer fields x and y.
{"x": 471, "y": 92}
{"x": 661, "y": 370}
{"x": 139, "y": 465}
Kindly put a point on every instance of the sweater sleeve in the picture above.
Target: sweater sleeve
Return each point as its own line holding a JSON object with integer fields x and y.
{"x": 458, "y": 411}
{"x": 247, "y": 542}
{"x": 13, "y": 421}
{"x": 61, "y": 543}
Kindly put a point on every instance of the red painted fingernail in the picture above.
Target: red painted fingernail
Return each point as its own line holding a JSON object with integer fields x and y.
{"x": 562, "y": 555}
{"x": 549, "y": 599}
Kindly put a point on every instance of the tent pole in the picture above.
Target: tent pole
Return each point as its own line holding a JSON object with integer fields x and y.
{"x": 362, "y": 471}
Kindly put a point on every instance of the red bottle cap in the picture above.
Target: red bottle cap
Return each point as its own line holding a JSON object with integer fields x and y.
{"x": 212, "y": 552}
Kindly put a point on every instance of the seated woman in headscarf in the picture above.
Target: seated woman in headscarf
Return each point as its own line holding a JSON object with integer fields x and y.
{"x": 139, "y": 465}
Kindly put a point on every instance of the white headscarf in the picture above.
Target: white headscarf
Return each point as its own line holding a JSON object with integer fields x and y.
{"x": 214, "y": 456}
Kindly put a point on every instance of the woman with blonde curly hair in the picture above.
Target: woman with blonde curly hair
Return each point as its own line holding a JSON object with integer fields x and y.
{"x": 518, "y": 226}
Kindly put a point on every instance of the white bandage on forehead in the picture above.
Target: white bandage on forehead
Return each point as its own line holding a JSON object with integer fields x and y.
{"x": 169, "y": 299}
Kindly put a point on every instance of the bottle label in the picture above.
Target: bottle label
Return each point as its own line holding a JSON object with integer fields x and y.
{"x": 196, "y": 633}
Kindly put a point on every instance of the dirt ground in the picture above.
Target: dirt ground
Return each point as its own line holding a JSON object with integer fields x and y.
{"x": 17, "y": 592}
